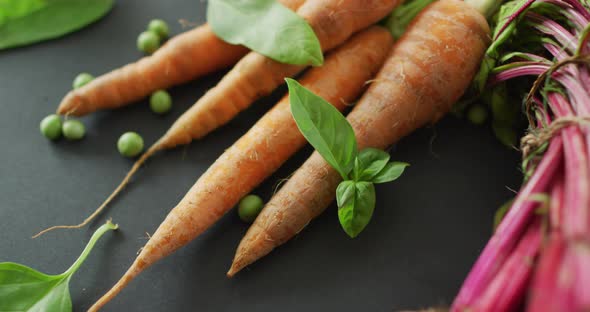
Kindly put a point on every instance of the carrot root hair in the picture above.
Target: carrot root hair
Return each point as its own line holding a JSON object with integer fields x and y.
{"x": 152, "y": 150}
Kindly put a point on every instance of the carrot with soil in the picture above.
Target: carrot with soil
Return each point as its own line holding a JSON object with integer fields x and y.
{"x": 427, "y": 70}
{"x": 254, "y": 76}
{"x": 185, "y": 57}
{"x": 261, "y": 151}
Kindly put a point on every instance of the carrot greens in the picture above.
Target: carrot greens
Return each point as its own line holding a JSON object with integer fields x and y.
{"x": 328, "y": 131}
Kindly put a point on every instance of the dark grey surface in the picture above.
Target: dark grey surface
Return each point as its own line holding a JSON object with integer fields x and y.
{"x": 427, "y": 229}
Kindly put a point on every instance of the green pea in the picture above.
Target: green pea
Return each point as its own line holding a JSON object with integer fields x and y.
{"x": 73, "y": 129}
{"x": 148, "y": 42}
{"x": 81, "y": 80}
{"x": 159, "y": 27}
{"x": 130, "y": 144}
{"x": 249, "y": 208}
{"x": 477, "y": 114}
{"x": 160, "y": 102}
{"x": 51, "y": 127}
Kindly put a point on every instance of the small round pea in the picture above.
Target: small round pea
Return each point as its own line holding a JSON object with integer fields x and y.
{"x": 249, "y": 208}
{"x": 477, "y": 114}
{"x": 51, "y": 127}
{"x": 81, "y": 80}
{"x": 160, "y": 102}
{"x": 130, "y": 144}
{"x": 159, "y": 27}
{"x": 73, "y": 129}
{"x": 148, "y": 42}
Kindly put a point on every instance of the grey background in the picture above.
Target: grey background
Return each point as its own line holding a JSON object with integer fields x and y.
{"x": 427, "y": 229}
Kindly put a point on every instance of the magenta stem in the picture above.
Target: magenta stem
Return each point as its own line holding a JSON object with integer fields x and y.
{"x": 508, "y": 288}
{"x": 508, "y": 232}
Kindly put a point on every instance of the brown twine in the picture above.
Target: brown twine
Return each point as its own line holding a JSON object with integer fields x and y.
{"x": 533, "y": 140}
{"x": 577, "y": 59}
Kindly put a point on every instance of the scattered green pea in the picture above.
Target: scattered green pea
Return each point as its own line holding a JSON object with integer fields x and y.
{"x": 51, "y": 127}
{"x": 477, "y": 114}
{"x": 249, "y": 208}
{"x": 159, "y": 27}
{"x": 130, "y": 144}
{"x": 148, "y": 42}
{"x": 160, "y": 102}
{"x": 81, "y": 80}
{"x": 73, "y": 129}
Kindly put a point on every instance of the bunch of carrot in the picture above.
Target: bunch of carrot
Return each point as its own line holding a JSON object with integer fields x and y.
{"x": 539, "y": 256}
{"x": 422, "y": 75}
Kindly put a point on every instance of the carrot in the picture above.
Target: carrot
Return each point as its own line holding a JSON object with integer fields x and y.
{"x": 262, "y": 150}
{"x": 427, "y": 71}
{"x": 183, "y": 58}
{"x": 255, "y": 76}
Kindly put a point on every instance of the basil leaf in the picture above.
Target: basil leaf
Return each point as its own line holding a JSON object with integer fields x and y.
{"x": 390, "y": 172}
{"x": 344, "y": 192}
{"x": 267, "y": 27}
{"x": 26, "y": 289}
{"x": 53, "y": 19}
{"x": 370, "y": 162}
{"x": 324, "y": 127}
{"x": 355, "y": 214}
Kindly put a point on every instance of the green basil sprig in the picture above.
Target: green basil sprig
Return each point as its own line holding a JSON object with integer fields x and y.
{"x": 24, "y": 22}
{"x": 267, "y": 27}
{"x": 26, "y": 289}
{"x": 328, "y": 131}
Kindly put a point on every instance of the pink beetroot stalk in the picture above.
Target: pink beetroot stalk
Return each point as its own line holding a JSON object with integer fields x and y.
{"x": 499, "y": 280}
{"x": 507, "y": 289}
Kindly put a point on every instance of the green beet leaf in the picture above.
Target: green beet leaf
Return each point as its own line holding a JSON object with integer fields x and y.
{"x": 36, "y": 21}
{"x": 267, "y": 27}
{"x": 356, "y": 212}
{"x": 26, "y": 289}
{"x": 324, "y": 127}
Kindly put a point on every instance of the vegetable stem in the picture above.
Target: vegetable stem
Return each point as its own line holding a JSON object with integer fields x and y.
{"x": 108, "y": 226}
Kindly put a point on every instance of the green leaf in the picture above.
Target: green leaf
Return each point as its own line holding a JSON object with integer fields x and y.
{"x": 370, "y": 162}
{"x": 390, "y": 172}
{"x": 400, "y": 18}
{"x": 48, "y": 20}
{"x": 267, "y": 27}
{"x": 356, "y": 212}
{"x": 345, "y": 192}
{"x": 324, "y": 127}
{"x": 11, "y": 9}
{"x": 26, "y": 289}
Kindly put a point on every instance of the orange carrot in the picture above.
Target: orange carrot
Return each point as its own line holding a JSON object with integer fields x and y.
{"x": 262, "y": 150}
{"x": 255, "y": 76}
{"x": 183, "y": 58}
{"x": 427, "y": 71}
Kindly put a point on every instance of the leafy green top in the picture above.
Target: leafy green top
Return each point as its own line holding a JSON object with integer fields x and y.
{"x": 326, "y": 129}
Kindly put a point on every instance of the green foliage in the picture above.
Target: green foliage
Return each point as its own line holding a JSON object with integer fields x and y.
{"x": 326, "y": 129}
{"x": 267, "y": 27}
{"x": 26, "y": 289}
{"x": 24, "y": 22}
